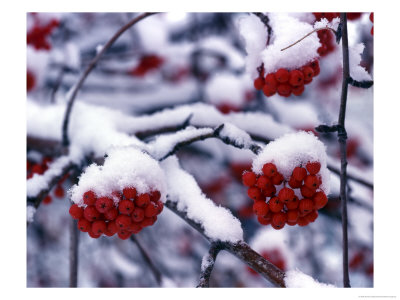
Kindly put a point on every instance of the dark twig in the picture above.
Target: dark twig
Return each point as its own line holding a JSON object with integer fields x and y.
{"x": 308, "y": 34}
{"x": 239, "y": 249}
{"x": 77, "y": 87}
{"x": 215, "y": 134}
{"x": 73, "y": 253}
{"x": 361, "y": 84}
{"x": 342, "y": 143}
{"x": 265, "y": 20}
{"x": 207, "y": 264}
{"x": 147, "y": 259}
{"x": 57, "y": 84}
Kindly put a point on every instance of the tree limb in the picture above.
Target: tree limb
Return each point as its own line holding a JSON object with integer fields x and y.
{"x": 207, "y": 264}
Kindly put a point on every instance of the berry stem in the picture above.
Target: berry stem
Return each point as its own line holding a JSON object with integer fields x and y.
{"x": 308, "y": 34}
{"x": 147, "y": 259}
{"x": 77, "y": 87}
{"x": 73, "y": 253}
{"x": 342, "y": 143}
{"x": 210, "y": 258}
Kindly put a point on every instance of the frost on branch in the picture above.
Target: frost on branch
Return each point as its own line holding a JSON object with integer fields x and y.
{"x": 218, "y": 222}
{"x": 292, "y": 150}
{"x": 297, "y": 279}
{"x": 123, "y": 167}
{"x": 283, "y": 36}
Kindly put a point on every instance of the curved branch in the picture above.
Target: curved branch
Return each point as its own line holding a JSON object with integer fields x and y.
{"x": 207, "y": 264}
{"x": 265, "y": 20}
{"x": 77, "y": 87}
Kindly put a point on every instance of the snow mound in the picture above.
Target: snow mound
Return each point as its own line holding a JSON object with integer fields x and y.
{"x": 297, "y": 279}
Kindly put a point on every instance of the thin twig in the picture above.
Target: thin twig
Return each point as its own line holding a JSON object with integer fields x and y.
{"x": 265, "y": 20}
{"x": 57, "y": 84}
{"x": 73, "y": 253}
{"x": 342, "y": 143}
{"x": 77, "y": 87}
{"x": 240, "y": 250}
{"x": 207, "y": 264}
{"x": 147, "y": 259}
{"x": 308, "y": 34}
{"x": 366, "y": 84}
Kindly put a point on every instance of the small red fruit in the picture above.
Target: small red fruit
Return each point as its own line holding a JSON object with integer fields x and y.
{"x": 99, "y": 227}
{"x": 84, "y": 225}
{"x": 277, "y": 179}
{"x": 311, "y": 181}
{"x": 297, "y": 91}
{"x": 293, "y": 203}
{"x": 313, "y": 167}
{"x": 103, "y": 204}
{"x": 155, "y": 196}
{"x": 93, "y": 235}
{"x": 254, "y": 193}
{"x": 268, "y": 90}
{"x": 307, "y": 192}
{"x": 269, "y": 191}
{"x": 263, "y": 182}
{"x": 302, "y": 221}
{"x": 308, "y": 73}
{"x": 259, "y": 83}
{"x": 123, "y": 221}
{"x": 249, "y": 178}
{"x": 124, "y": 234}
{"x": 138, "y": 214}
{"x": 260, "y": 208}
{"x": 282, "y": 75}
{"x": 76, "y": 212}
{"x": 312, "y": 216}
{"x": 296, "y": 78}
{"x": 293, "y": 183}
{"x": 305, "y": 206}
{"x": 264, "y": 221}
{"x": 299, "y": 173}
{"x": 279, "y": 220}
{"x": 320, "y": 200}
{"x": 126, "y": 207}
{"x": 89, "y": 198}
{"x": 292, "y": 215}
{"x": 269, "y": 169}
{"x": 151, "y": 210}
{"x": 112, "y": 228}
{"x": 129, "y": 193}
{"x": 111, "y": 214}
{"x": 275, "y": 205}
{"x": 271, "y": 81}
{"x": 285, "y": 195}
{"x": 315, "y": 66}
{"x": 284, "y": 90}
{"x": 143, "y": 200}
{"x": 91, "y": 213}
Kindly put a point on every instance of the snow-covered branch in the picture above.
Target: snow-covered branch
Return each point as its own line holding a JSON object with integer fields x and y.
{"x": 207, "y": 264}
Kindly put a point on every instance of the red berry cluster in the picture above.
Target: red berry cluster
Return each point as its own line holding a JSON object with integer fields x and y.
{"x": 39, "y": 168}
{"x": 37, "y": 36}
{"x": 371, "y": 18}
{"x": 330, "y": 16}
{"x": 285, "y": 82}
{"x": 133, "y": 212}
{"x": 284, "y": 207}
{"x": 146, "y": 64}
{"x": 327, "y": 40}
{"x": 275, "y": 257}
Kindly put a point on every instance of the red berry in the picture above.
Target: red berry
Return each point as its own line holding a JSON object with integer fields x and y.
{"x": 124, "y": 234}
{"x": 278, "y": 220}
{"x": 254, "y": 193}
{"x": 37, "y": 169}
{"x": 312, "y": 216}
{"x": 275, "y": 205}
{"x": 155, "y": 196}
{"x": 282, "y": 75}
{"x": 129, "y": 193}
{"x": 293, "y": 183}
{"x": 299, "y": 173}
{"x": 264, "y": 221}
{"x": 135, "y": 228}
{"x": 269, "y": 169}
{"x": 305, "y": 206}
{"x": 311, "y": 181}
{"x": 296, "y": 78}
{"x": 111, "y": 214}
{"x": 313, "y": 167}
{"x": 59, "y": 191}
{"x": 138, "y": 214}
{"x": 91, "y": 213}
{"x": 263, "y": 182}
{"x": 126, "y": 207}
{"x": 320, "y": 200}
{"x": 293, "y": 203}
{"x": 306, "y": 192}
{"x": 302, "y": 221}
{"x": 292, "y": 215}
{"x": 284, "y": 90}
{"x": 143, "y": 200}
{"x": 315, "y": 66}
{"x": 30, "y": 80}
{"x": 93, "y": 235}
{"x": 99, "y": 227}
{"x": 123, "y": 221}
{"x": 112, "y": 228}
{"x": 47, "y": 199}
{"x": 76, "y": 212}
{"x": 269, "y": 191}
{"x": 160, "y": 207}
{"x": 271, "y": 81}
{"x": 151, "y": 210}
{"x": 308, "y": 73}
{"x": 259, "y": 83}
{"x": 117, "y": 195}
{"x": 84, "y": 225}
{"x": 353, "y": 16}
{"x": 249, "y": 178}
{"x": 285, "y": 195}
{"x": 148, "y": 221}
{"x": 103, "y": 204}
{"x": 297, "y": 91}
{"x": 89, "y": 198}
{"x": 277, "y": 179}
{"x": 260, "y": 208}
{"x": 291, "y": 223}
{"x": 268, "y": 90}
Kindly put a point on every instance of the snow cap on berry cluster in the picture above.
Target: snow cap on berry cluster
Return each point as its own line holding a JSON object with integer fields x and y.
{"x": 285, "y": 31}
{"x": 123, "y": 167}
{"x": 293, "y": 150}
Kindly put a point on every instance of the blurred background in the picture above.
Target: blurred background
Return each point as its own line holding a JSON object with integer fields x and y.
{"x": 173, "y": 59}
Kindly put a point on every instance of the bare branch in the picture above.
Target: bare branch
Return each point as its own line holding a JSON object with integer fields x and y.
{"x": 73, "y": 253}
{"x": 207, "y": 264}
{"x": 77, "y": 87}
{"x": 147, "y": 259}
{"x": 265, "y": 20}
{"x": 361, "y": 84}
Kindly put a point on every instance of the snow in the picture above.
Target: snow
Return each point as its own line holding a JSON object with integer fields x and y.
{"x": 297, "y": 279}
{"x": 123, "y": 167}
{"x": 292, "y": 150}
{"x": 235, "y": 134}
{"x": 357, "y": 72}
{"x": 206, "y": 262}
{"x": 38, "y": 183}
{"x": 30, "y": 213}
{"x": 183, "y": 190}
{"x": 164, "y": 144}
